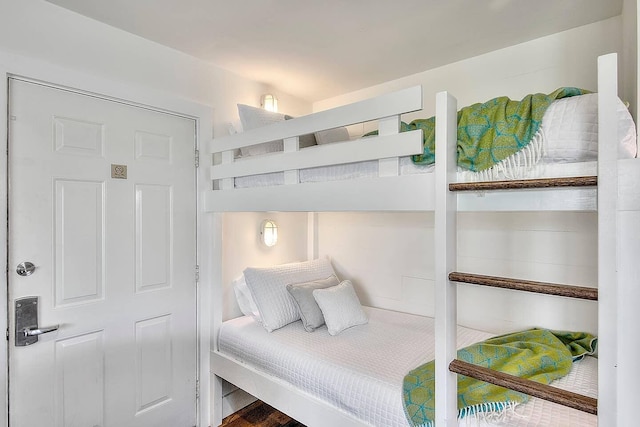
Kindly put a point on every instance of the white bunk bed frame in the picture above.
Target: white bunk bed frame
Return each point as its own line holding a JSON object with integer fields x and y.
{"x": 616, "y": 200}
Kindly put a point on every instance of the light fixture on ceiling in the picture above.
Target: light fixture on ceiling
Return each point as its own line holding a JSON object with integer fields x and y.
{"x": 269, "y": 232}
{"x": 269, "y": 102}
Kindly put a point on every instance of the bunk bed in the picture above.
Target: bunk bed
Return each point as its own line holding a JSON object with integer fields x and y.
{"x": 239, "y": 344}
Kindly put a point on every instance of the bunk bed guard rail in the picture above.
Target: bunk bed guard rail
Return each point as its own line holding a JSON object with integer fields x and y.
{"x": 386, "y": 147}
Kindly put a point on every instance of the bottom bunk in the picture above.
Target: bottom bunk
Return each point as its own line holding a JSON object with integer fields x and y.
{"x": 358, "y": 374}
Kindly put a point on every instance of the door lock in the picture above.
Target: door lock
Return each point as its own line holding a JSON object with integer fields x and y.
{"x": 26, "y": 321}
{"x": 25, "y": 268}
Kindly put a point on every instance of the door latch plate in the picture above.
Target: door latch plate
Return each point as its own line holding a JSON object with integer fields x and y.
{"x": 26, "y": 317}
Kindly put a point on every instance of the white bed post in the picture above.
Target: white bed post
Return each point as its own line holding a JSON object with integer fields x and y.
{"x": 226, "y": 157}
{"x": 445, "y": 259}
{"x": 389, "y": 166}
{"x": 607, "y": 241}
{"x": 291, "y": 145}
{"x": 312, "y": 235}
{"x": 217, "y": 296}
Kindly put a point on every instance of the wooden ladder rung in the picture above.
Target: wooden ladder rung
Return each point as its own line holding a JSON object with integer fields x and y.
{"x": 532, "y": 388}
{"x": 570, "y": 291}
{"x": 574, "y": 181}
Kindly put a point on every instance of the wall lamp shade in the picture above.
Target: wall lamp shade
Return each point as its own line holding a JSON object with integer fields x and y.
{"x": 269, "y": 233}
{"x": 269, "y": 102}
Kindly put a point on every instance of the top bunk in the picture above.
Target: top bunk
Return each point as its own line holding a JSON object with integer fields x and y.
{"x": 376, "y": 173}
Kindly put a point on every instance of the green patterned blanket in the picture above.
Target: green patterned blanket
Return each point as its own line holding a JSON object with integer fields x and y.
{"x": 538, "y": 354}
{"x": 492, "y": 131}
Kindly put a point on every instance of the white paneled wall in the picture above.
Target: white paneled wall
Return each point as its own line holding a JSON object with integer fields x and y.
{"x": 543, "y": 246}
{"x": 390, "y": 258}
{"x": 242, "y": 247}
{"x": 542, "y": 65}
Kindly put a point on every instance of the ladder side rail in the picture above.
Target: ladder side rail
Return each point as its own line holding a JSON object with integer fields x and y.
{"x": 445, "y": 260}
{"x": 607, "y": 243}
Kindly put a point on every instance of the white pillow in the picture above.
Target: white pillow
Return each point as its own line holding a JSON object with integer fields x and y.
{"x": 340, "y": 307}
{"x": 332, "y": 135}
{"x": 245, "y": 300}
{"x": 302, "y": 294}
{"x": 253, "y": 118}
{"x": 570, "y": 128}
{"x": 269, "y": 289}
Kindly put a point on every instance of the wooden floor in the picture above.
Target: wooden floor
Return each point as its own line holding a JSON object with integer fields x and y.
{"x": 259, "y": 414}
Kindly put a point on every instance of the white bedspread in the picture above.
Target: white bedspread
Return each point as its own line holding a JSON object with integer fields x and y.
{"x": 361, "y": 370}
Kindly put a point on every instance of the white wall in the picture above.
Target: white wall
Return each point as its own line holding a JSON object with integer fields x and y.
{"x": 37, "y": 29}
{"x": 542, "y": 65}
{"x": 390, "y": 256}
{"x": 243, "y": 248}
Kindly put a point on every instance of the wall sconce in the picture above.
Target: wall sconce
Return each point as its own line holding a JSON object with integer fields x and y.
{"x": 269, "y": 102}
{"x": 269, "y": 232}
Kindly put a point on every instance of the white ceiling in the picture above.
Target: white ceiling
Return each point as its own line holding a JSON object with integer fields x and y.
{"x": 322, "y": 48}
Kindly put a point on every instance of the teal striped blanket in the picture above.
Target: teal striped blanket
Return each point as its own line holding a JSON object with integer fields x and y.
{"x": 537, "y": 354}
{"x": 490, "y": 132}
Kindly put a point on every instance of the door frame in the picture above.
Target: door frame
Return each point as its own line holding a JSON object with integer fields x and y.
{"x": 140, "y": 96}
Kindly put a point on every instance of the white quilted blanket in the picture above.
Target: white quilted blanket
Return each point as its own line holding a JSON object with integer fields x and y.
{"x": 361, "y": 369}
{"x": 570, "y": 130}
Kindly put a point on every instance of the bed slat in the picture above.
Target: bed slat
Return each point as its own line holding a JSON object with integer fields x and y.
{"x": 570, "y": 291}
{"x": 373, "y": 148}
{"x": 579, "y": 181}
{"x": 532, "y": 388}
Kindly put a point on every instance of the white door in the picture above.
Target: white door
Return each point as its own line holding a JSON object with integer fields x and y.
{"x": 102, "y": 202}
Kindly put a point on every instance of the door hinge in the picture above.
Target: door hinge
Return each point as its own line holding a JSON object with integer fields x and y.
{"x": 7, "y": 334}
{"x": 197, "y": 273}
{"x": 197, "y": 158}
{"x": 197, "y": 389}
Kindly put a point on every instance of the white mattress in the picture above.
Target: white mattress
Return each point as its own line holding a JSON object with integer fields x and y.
{"x": 569, "y": 132}
{"x": 361, "y": 370}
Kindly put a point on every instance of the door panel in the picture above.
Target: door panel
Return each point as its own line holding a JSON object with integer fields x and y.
{"x": 153, "y": 237}
{"x": 78, "y": 241}
{"x": 79, "y": 377}
{"x": 102, "y": 201}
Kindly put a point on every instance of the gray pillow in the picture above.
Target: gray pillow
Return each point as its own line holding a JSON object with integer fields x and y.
{"x": 308, "y": 308}
{"x": 332, "y": 135}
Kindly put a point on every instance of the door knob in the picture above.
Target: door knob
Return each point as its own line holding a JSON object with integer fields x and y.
{"x": 25, "y": 268}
